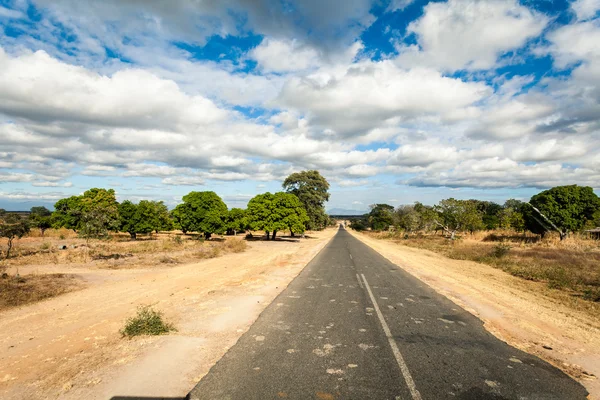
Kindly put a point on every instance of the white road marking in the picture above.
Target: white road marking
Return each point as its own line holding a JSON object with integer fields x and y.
{"x": 401, "y": 363}
{"x": 359, "y": 282}
{"x": 351, "y": 256}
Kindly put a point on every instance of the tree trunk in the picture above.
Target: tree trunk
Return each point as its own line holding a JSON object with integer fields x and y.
{"x": 274, "y": 233}
{"x": 268, "y": 235}
{"x": 292, "y": 233}
{"x": 184, "y": 231}
{"x": 207, "y": 235}
{"x": 10, "y": 241}
{"x": 43, "y": 230}
{"x": 234, "y": 232}
{"x": 563, "y": 235}
{"x": 133, "y": 235}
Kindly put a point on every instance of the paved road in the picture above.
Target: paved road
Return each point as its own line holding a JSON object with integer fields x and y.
{"x": 353, "y": 325}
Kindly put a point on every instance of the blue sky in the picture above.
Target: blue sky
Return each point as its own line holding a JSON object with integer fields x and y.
{"x": 392, "y": 101}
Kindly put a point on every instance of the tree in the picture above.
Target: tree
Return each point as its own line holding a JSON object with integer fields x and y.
{"x": 182, "y": 218}
{"x": 12, "y": 227}
{"x": 162, "y": 221}
{"x": 236, "y": 221}
{"x": 202, "y": 212}
{"x": 96, "y": 210}
{"x": 67, "y": 213}
{"x": 511, "y": 215}
{"x": 489, "y": 213}
{"x": 407, "y": 218}
{"x": 40, "y": 217}
{"x": 427, "y": 216}
{"x": 562, "y": 208}
{"x": 312, "y": 190}
{"x": 276, "y": 212}
{"x": 455, "y": 215}
{"x": 128, "y": 218}
{"x": 381, "y": 216}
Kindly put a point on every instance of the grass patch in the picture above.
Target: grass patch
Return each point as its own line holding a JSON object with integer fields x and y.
{"x": 572, "y": 266}
{"x": 147, "y": 321}
{"x": 18, "y": 291}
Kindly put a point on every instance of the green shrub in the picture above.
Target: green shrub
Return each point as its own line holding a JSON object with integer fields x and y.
{"x": 146, "y": 322}
{"x": 501, "y": 250}
{"x": 177, "y": 239}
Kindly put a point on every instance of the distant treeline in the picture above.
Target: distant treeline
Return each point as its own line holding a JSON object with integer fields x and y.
{"x": 563, "y": 209}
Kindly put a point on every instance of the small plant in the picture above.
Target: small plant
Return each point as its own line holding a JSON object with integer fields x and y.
{"x": 501, "y": 250}
{"x": 61, "y": 237}
{"x": 45, "y": 246}
{"x": 177, "y": 239}
{"x": 146, "y": 322}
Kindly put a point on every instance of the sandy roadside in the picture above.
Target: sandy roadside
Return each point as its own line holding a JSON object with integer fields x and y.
{"x": 512, "y": 309}
{"x": 69, "y": 347}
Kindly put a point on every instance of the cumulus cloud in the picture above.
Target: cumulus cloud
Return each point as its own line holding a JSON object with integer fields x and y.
{"x": 366, "y": 94}
{"x": 469, "y": 34}
{"x": 586, "y": 9}
{"x": 284, "y": 56}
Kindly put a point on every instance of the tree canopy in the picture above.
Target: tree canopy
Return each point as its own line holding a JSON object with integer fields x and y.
{"x": 312, "y": 189}
{"x": 41, "y": 218}
{"x": 563, "y": 208}
{"x": 203, "y": 212}
{"x": 12, "y": 227}
{"x": 454, "y": 215}
{"x": 381, "y": 216}
{"x": 94, "y": 213}
{"x": 276, "y": 212}
{"x": 236, "y": 220}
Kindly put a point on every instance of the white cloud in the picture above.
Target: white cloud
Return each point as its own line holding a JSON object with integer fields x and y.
{"x": 585, "y": 9}
{"x": 275, "y": 55}
{"x": 367, "y": 94}
{"x": 469, "y": 34}
{"x": 37, "y": 87}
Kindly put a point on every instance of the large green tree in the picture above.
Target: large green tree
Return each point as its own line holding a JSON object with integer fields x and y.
{"x": 381, "y": 216}
{"x": 93, "y": 213}
{"x": 201, "y": 212}
{"x": 276, "y": 212}
{"x": 312, "y": 189}
{"x": 562, "y": 208}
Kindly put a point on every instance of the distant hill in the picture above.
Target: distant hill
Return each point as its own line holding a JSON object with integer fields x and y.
{"x": 343, "y": 211}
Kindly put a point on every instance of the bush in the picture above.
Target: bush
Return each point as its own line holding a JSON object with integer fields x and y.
{"x": 147, "y": 322}
{"x": 501, "y": 250}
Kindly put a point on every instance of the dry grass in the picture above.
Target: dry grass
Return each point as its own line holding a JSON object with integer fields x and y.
{"x": 119, "y": 251}
{"x": 571, "y": 266}
{"x": 17, "y": 291}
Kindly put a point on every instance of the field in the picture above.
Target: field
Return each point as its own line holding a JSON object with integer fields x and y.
{"x": 570, "y": 269}
{"x": 43, "y": 267}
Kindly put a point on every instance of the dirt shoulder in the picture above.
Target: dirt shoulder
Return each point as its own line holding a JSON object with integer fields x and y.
{"x": 69, "y": 347}
{"x": 512, "y": 309}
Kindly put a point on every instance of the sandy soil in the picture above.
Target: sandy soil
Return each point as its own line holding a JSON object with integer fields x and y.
{"x": 69, "y": 347}
{"x": 512, "y": 309}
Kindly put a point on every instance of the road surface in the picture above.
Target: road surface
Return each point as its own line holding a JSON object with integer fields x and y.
{"x": 353, "y": 325}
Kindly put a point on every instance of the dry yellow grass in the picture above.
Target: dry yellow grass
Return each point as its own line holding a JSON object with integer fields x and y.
{"x": 62, "y": 248}
{"x": 571, "y": 266}
{"x": 18, "y": 291}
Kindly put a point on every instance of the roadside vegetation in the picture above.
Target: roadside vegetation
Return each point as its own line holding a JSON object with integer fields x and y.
{"x": 147, "y": 321}
{"x": 543, "y": 240}
{"x": 94, "y": 230}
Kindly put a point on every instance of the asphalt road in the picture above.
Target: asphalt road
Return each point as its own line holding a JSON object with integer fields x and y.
{"x": 353, "y": 325}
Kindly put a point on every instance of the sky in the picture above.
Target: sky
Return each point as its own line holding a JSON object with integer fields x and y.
{"x": 393, "y": 101}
